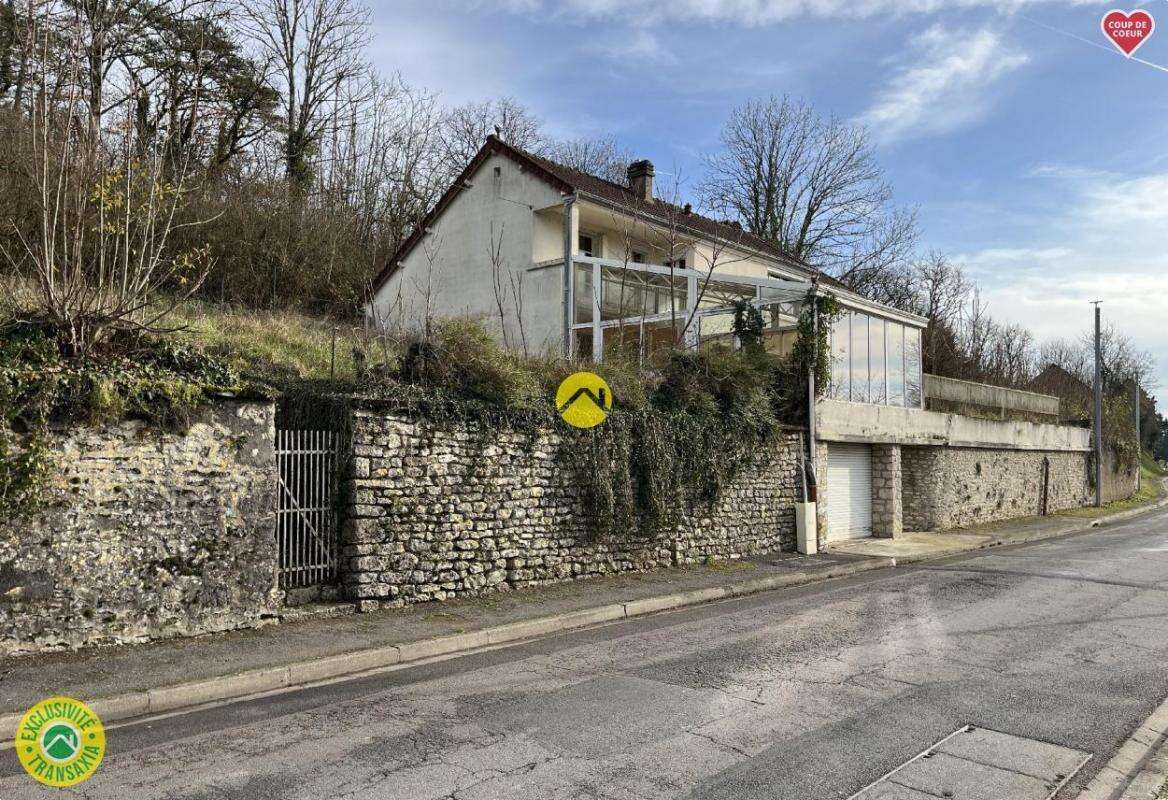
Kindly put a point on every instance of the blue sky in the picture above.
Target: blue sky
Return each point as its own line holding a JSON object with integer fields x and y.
{"x": 1037, "y": 159}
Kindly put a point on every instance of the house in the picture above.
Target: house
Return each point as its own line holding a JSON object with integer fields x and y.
{"x": 570, "y": 263}
{"x": 663, "y": 274}
{"x": 1077, "y": 398}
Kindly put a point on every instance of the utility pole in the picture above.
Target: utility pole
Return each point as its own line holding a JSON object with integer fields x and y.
{"x": 1098, "y": 408}
{"x": 811, "y": 389}
{"x": 1139, "y": 444}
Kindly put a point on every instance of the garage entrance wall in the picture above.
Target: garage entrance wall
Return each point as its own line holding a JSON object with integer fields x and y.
{"x": 952, "y": 487}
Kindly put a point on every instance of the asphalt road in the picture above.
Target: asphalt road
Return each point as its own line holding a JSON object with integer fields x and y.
{"x": 803, "y": 694}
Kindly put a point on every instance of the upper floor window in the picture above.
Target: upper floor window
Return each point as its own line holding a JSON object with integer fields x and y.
{"x": 588, "y": 245}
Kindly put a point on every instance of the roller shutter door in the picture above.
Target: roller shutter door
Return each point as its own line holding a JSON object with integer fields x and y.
{"x": 849, "y": 491}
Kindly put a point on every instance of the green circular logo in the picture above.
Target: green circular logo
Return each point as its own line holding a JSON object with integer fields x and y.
{"x": 60, "y": 741}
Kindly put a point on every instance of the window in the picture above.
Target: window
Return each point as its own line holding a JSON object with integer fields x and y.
{"x": 676, "y": 263}
{"x": 895, "y": 364}
{"x": 840, "y": 365}
{"x": 876, "y": 365}
{"x": 638, "y": 258}
{"x": 912, "y": 367}
{"x": 858, "y": 347}
{"x": 587, "y": 245}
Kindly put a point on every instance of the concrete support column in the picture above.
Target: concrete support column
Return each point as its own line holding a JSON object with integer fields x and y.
{"x": 821, "y": 502}
{"x": 887, "y": 513}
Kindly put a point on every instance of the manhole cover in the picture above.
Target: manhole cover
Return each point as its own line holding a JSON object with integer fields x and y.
{"x": 979, "y": 764}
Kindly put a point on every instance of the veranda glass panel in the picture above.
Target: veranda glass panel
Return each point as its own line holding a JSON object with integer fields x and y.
{"x": 878, "y": 391}
{"x": 840, "y": 364}
{"x": 583, "y": 344}
{"x": 660, "y": 337}
{"x": 716, "y": 328}
{"x": 912, "y": 367}
{"x": 623, "y": 294}
{"x": 583, "y": 293}
{"x": 779, "y": 342}
{"x": 630, "y": 294}
{"x": 623, "y": 341}
{"x": 658, "y": 295}
{"x": 858, "y": 350}
{"x": 895, "y": 364}
{"x": 720, "y": 295}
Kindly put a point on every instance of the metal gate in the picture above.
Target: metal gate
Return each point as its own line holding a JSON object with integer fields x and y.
{"x": 306, "y": 519}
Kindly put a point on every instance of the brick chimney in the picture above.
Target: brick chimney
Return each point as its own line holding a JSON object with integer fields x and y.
{"x": 641, "y": 180}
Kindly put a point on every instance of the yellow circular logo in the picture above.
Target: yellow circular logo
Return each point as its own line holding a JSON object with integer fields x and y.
{"x": 60, "y": 741}
{"x": 584, "y": 400}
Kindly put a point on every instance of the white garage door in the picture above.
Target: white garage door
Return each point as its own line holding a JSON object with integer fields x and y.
{"x": 849, "y": 491}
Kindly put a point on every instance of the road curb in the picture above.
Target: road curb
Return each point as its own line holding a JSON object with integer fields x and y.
{"x": 1118, "y": 774}
{"x": 1146, "y": 785}
{"x": 304, "y": 673}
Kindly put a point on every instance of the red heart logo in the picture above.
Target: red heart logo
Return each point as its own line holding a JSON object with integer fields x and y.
{"x": 1128, "y": 31}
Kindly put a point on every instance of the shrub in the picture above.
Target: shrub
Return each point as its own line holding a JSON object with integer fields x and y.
{"x": 463, "y": 361}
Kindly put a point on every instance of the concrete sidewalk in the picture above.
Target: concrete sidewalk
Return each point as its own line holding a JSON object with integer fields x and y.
{"x": 124, "y": 682}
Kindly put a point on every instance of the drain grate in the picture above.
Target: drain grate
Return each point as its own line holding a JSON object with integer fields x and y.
{"x": 978, "y": 764}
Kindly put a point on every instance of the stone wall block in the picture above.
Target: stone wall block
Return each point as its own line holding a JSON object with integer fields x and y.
{"x": 146, "y": 535}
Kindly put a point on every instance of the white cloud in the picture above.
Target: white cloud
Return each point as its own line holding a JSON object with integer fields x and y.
{"x": 1122, "y": 205}
{"x": 1106, "y": 244}
{"x": 643, "y": 46}
{"x": 943, "y": 87}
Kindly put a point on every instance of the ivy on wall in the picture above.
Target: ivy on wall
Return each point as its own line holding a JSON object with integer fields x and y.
{"x": 163, "y": 382}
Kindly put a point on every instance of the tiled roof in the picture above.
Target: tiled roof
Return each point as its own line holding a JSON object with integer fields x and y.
{"x": 570, "y": 180}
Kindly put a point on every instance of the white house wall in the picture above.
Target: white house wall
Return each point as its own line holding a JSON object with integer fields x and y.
{"x": 452, "y": 264}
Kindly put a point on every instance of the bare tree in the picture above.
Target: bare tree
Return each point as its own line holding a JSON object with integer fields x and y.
{"x": 507, "y": 284}
{"x": 942, "y": 290}
{"x": 99, "y": 251}
{"x": 810, "y": 184}
{"x": 516, "y": 279}
{"x": 498, "y": 282}
{"x": 424, "y": 285}
{"x": 600, "y": 156}
{"x": 316, "y": 47}
{"x": 465, "y": 128}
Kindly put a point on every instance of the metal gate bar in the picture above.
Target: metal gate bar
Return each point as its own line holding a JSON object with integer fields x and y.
{"x": 306, "y": 527}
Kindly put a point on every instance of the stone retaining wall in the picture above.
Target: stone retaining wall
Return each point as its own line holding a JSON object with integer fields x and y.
{"x": 146, "y": 535}
{"x": 951, "y": 487}
{"x": 437, "y": 513}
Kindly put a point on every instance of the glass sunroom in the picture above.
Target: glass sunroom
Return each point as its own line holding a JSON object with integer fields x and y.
{"x": 644, "y": 308}
{"x": 875, "y": 360}
{"x": 640, "y": 309}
